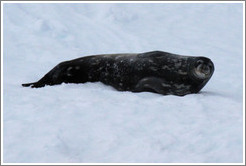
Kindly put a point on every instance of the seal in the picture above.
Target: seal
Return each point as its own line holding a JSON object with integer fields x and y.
{"x": 160, "y": 72}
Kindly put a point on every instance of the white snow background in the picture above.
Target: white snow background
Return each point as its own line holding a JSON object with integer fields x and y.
{"x": 92, "y": 122}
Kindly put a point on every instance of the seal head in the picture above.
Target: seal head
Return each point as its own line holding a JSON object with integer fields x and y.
{"x": 201, "y": 70}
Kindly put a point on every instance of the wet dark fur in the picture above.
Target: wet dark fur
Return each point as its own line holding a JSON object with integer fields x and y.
{"x": 156, "y": 71}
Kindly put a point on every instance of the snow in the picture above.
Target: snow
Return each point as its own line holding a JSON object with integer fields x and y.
{"x": 94, "y": 123}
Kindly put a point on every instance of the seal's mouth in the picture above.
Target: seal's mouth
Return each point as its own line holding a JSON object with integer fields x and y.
{"x": 203, "y": 69}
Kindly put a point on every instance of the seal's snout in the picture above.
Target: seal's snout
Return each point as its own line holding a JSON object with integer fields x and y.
{"x": 205, "y": 69}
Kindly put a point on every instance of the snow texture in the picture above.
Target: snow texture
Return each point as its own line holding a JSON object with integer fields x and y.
{"x": 94, "y": 123}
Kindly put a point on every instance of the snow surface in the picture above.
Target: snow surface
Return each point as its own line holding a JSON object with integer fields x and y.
{"x": 93, "y": 122}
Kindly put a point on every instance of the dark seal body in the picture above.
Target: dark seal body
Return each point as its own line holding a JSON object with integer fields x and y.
{"x": 156, "y": 71}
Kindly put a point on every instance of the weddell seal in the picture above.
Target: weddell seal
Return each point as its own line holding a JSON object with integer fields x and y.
{"x": 160, "y": 72}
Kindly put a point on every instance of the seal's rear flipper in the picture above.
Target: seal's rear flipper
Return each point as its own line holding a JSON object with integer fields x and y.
{"x": 33, "y": 85}
{"x": 57, "y": 75}
{"x": 27, "y": 85}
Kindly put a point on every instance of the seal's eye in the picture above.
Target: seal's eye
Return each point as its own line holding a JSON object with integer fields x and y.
{"x": 210, "y": 66}
{"x": 199, "y": 62}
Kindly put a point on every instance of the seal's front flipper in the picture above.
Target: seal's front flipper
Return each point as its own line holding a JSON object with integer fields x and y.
{"x": 153, "y": 84}
{"x": 161, "y": 86}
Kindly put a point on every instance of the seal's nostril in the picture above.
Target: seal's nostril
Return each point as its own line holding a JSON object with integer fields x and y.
{"x": 206, "y": 70}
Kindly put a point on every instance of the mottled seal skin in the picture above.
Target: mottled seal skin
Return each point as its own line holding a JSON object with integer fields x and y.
{"x": 160, "y": 72}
